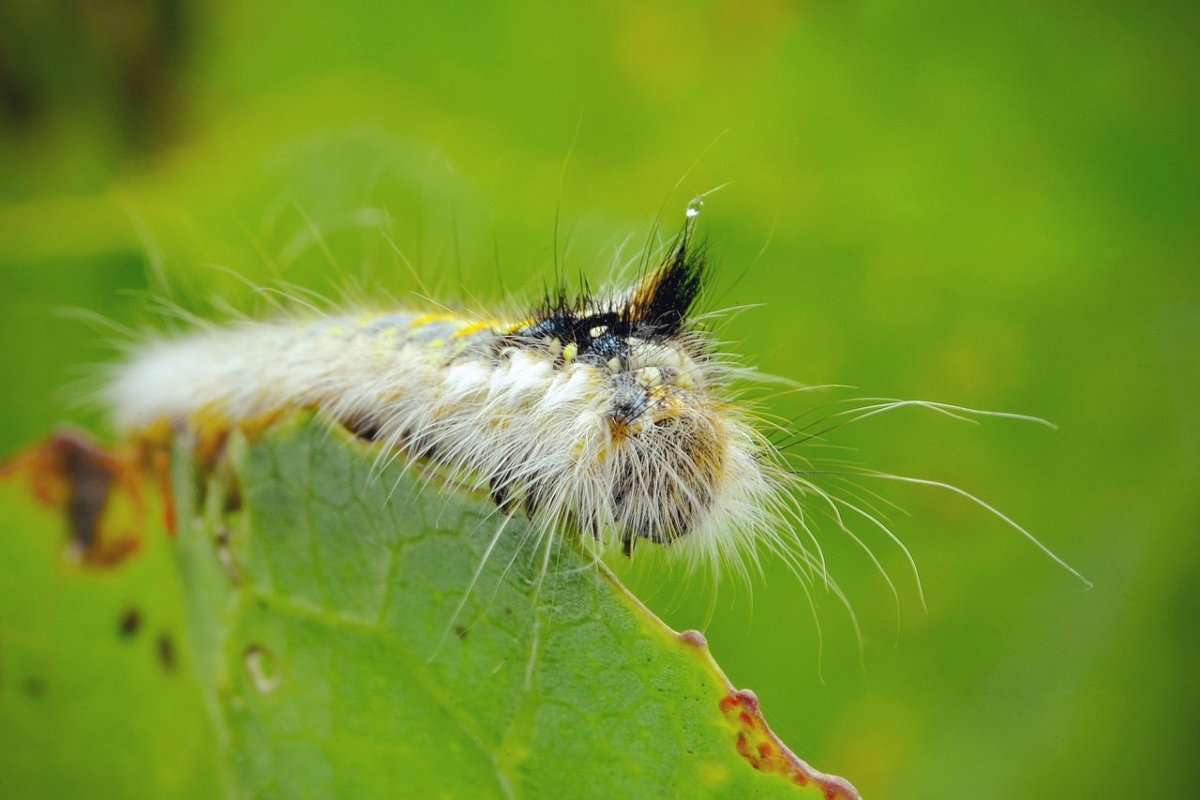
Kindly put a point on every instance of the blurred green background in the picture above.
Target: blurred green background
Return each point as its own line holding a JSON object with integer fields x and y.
{"x": 993, "y": 205}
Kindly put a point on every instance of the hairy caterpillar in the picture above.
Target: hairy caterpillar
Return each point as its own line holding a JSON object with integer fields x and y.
{"x": 610, "y": 414}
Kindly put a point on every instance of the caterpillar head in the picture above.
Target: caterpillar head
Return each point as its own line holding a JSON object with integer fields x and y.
{"x": 667, "y": 457}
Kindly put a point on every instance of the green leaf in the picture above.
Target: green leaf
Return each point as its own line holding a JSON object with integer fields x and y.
{"x": 351, "y": 640}
{"x": 97, "y": 693}
{"x": 351, "y": 653}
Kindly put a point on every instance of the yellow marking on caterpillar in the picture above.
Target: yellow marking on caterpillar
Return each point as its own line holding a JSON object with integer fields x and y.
{"x": 429, "y": 319}
{"x": 513, "y": 327}
{"x": 475, "y": 327}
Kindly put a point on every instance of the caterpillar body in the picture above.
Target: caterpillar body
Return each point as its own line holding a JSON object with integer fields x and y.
{"x": 612, "y": 415}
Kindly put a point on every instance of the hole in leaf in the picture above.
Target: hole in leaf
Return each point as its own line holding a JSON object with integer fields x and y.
{"x": 262, "y": 669}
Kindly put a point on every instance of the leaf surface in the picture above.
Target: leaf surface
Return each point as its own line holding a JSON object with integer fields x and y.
{"x": 365, "y": 632}
{"x": 354, "y": 653}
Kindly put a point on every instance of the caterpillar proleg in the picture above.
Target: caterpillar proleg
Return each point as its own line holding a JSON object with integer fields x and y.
{"x": 612, "y": 415}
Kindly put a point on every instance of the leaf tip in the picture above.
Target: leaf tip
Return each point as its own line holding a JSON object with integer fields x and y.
{"x": 759, "y": 745}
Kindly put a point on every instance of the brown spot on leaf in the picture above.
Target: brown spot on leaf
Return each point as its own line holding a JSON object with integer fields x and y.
{"x": 758, "y": 744}
{"x": 225, "y": 556}
{"x": 158, "y": 462}
{"x": 130, "y": 623}
{"x": 233, "y": 496}
{"x": 166, "y": 652}
{"x": 97, "y": 491}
